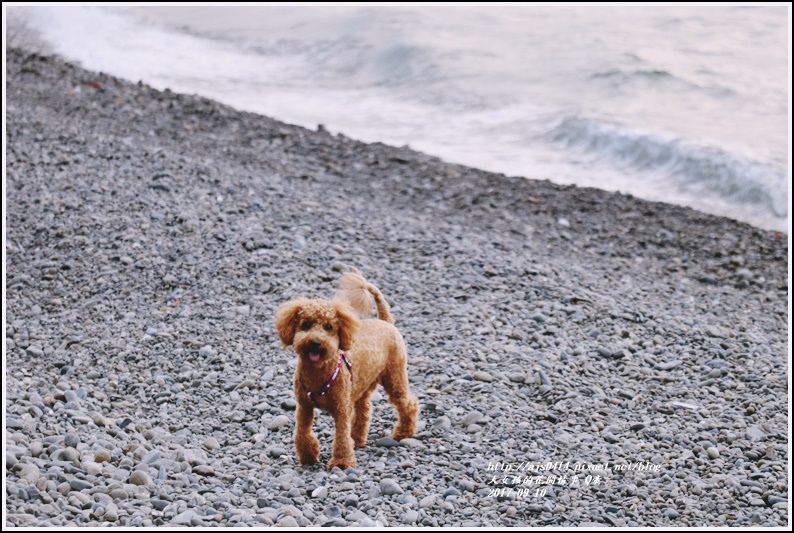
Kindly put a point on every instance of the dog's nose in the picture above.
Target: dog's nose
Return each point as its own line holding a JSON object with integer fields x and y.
{"x": 314, "y": 345}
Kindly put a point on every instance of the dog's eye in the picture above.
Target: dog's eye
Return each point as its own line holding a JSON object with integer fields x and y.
{"x": 328, "y": 327}
{"x": 306, "y": 325}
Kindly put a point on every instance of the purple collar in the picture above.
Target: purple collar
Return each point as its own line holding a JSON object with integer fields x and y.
{"x": 312, "y": 395}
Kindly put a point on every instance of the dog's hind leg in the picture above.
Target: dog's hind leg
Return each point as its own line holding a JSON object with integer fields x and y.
{"x": 400, "y": 396}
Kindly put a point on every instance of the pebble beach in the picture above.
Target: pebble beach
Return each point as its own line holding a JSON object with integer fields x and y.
{"x": 582, "y": 358}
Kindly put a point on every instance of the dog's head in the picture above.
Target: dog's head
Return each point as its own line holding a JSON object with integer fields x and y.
{"x": 316, "y": 329}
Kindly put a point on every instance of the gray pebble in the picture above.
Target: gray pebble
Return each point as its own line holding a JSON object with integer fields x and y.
{"x": 289, "y": 404}
{"x": 472, "y": 418}
{"x": 427, "y": 501}
{"x": 452, "y": 491}
{"x": 64, "y": 454}
{"x": 29, "y": 472}
{"x": 207, "y": 351}
{"x": 184, "y": 518}
{"x": 279, "y": 422}
{"x": 410, "y": 517}
{"x": 442, "y": 423}
{"x": 288, "y": 521}
{"x": 332, "y": 511}
{"x": 211, "y": 443}
{"x": 79, "y": 484}
{"x": 119, "y": 494}
{"x": 389, "y": 486}
{"x": 276, "y": 451}
{"x": 91, "y": 468}
{"x": 34, "y": 351}
{"x": 151, "y": 457}
{"x": 668, "y": 365}
{"x": 204, "y": 470}
{"x": 139, "y": 477}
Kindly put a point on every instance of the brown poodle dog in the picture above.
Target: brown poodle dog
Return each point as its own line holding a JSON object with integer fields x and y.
{"x": 341, "y": 360}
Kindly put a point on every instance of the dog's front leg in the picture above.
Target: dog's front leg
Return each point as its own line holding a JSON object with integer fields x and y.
{"x": 343, "y": 455}
{"x": 306, "y": 443}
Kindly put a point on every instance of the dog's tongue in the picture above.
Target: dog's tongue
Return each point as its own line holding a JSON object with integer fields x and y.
{"x": 314, "y": 357}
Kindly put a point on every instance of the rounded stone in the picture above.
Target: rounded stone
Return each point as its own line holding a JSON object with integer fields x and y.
{"x": 69, "y": 454}
{"x": 80, "y": 484}
{"x": 139, "y": 477}
{"x": 278, "y": 422}
{"x": 91, "y": 468}
{"x": 427, "y": 501}
{"x": 102, "y": 456}
{"x": 203, "y": 470}
{"x": 452, "y": 491}
{"x": 36, "y": 448}
{"x": 119, "y": 494}
{"x": 30, "y": 473}
{"x": 211, "y": 443}
{"x": 389, "y": 487}
{"x": 288, "y": 521}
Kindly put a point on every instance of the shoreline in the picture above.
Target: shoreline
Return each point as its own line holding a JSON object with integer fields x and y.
{"x": 152, "y": 235}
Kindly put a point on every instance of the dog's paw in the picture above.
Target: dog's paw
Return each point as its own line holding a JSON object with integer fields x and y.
{"x": 308, "y": 459}
{"x": 308, "y": 450}
{"x": 402, "y": 433}
{"x": 342, "y": 463}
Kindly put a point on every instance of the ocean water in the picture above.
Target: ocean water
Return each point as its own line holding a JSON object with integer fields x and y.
{"x": 683, "y": 104}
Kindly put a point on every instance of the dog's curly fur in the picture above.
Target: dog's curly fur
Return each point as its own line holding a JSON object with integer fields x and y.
{"x": 318, "y": 330}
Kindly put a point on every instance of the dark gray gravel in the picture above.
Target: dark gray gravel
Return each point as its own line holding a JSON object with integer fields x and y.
{"x": 151, "y": 236}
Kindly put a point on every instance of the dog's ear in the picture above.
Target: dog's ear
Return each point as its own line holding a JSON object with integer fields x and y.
{"x": 287, "y": 320}
{"x": 348, "y": 325}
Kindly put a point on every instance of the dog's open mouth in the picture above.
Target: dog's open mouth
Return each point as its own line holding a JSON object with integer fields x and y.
{"x": 314, "y": 356}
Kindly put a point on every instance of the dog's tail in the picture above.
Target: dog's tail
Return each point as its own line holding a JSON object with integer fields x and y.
{"x": 361, "y": 295}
